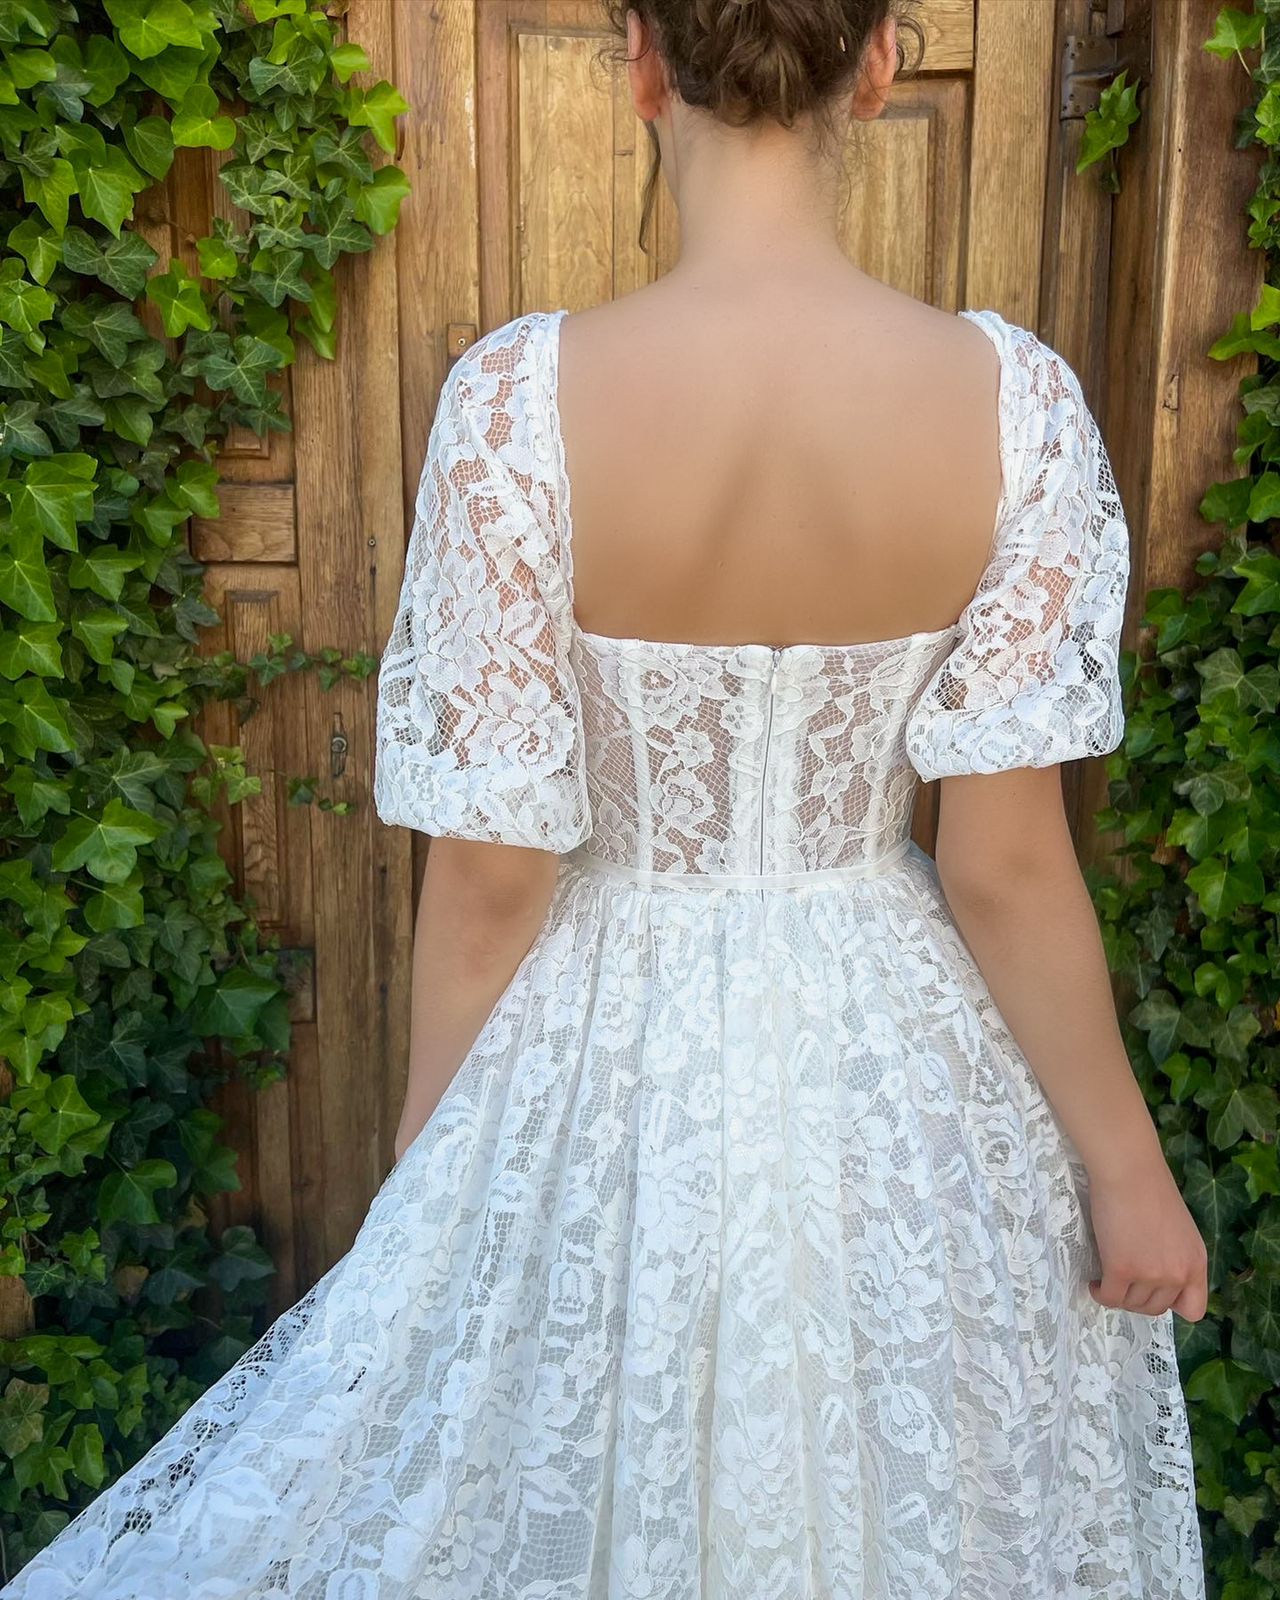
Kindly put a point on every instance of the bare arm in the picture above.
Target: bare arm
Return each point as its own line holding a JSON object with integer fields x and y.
{"x": 1010, "y": 875}
{"x": 481, "y": 907}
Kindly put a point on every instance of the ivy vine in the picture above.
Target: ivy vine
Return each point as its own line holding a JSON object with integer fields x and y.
{"x": 1107, "y": 127}
{"x": 1192, "y": 919}
{"x": 133, "y": 979}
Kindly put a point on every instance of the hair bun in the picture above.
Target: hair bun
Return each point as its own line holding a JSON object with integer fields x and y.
{"x": 750, "y": 59}
{"x": 746, "y": 60}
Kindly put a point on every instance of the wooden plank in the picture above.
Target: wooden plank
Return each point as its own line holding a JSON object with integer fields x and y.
{"x": 908, "y": 166}
{"x": 258, "y": 523}
{"x": 438, "y": 286}
{"x": 1073, "y": 316}
{"x": 888, "y": 169}
{"x": 497, "y": 25}
{"x": 272, "y": 851}
{"x": 1207, "y": 274}
{"x": 565, "y": 158}
{"x": 349, "y": 489}
{"x": 1012, "y": 97}
{"x": 948, "y": 27}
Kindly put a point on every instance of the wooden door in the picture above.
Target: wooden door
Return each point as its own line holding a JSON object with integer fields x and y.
{"x": 527, "y": 167}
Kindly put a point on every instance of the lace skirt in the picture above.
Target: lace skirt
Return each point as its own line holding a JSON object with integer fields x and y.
{"x": 743, "y": 1259}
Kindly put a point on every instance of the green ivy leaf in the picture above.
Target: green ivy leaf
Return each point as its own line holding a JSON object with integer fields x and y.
{"x": 1227, "y": 1388}
{"x": 1228, "y": 502}
{"x": 230, "y": 1009}
{"x": 62, "y": 1113}
{"x": 117, "y": 905}
{"x": 85, "y": 1447}
{"x": 105, "y": 68}
{"x": 53, "y": 496}
{"x": 103, "y": 571}
{"x": 122, "y": 264}
{"x": 130, "y": 1196}
{"x": 346, "y": 59}
{"x": 1159, "y": 1017}
{"x": 1260, "y": 570}
{"x": 50, "y": 186}
{"x": 24, "y": 306}
{"x": 378, "y": 107}
{"x": 39, "y": 248}
{"x": 180, "y": 300}
{"x": 149, "y": 141}
{"x": 1260, "y": 1164}
{"x": 1244, "y": 1108}
{"x": 1105, "y": 129}
{"x": 242, "y": 1260}
{"x": 34, "y": 647}
{"x": 1222, "y": 887}
{"x": 242, "y": 367}
{"x": 198, "y": 124}
{"x": 378, "y": 203}
{"x": 107, "y": 845}
{"x": 217, "y": 258}
{"x": 98, "y": 630}
{"x": 36, "y": 720}
{"x": 148, "y": 27}
{"x": 1234, "y": 31}
{"x": 1217, "y": 1200}
{"x": 1264, "y": 500}
{"x": 22, "y": 1413}
{"x": 107, "y": 188}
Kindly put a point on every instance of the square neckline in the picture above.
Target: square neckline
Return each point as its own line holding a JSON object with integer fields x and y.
{"x": 553, "y": 321}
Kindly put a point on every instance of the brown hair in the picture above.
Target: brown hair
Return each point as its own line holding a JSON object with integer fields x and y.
{"x": 747, "y": 61}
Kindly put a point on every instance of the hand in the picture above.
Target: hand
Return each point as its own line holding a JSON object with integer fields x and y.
{"x": 1153, "y": 1257}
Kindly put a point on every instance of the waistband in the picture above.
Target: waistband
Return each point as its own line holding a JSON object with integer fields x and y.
{"x": 705, "y": 882}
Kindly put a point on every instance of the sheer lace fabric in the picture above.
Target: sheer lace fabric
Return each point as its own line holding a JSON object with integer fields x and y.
{"x": 743, "y": 1259}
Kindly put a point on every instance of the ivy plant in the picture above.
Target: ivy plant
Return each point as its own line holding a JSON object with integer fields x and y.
{"x": 1192, "y": 918}
{"x": 1106, "y": 129}
{"x": 133, "y": 978}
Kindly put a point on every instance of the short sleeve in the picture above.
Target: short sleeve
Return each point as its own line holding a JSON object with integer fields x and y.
{"x": 1033, "y": 677}
{"x": 479, "y": 729}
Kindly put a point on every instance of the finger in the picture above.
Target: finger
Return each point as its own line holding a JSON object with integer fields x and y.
{"x": 1155, "y": 1304}
{"x": 1193, "y": 1301}
{"x": 1110, "y": 1290}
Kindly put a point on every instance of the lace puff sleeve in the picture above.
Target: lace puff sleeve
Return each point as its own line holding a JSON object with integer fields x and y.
{"x": 479, "y": 732}
{"x": 1033, "y": 678}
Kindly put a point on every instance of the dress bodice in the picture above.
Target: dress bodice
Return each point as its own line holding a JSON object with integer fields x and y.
{"x": 748, "y": 759}
{"x": 500, "y": 720}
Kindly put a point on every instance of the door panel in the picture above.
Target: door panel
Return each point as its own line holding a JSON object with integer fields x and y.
{"x": 527, "y": 167}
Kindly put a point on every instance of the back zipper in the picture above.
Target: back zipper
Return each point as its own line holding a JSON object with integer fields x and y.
{"x": 774, "y": 653}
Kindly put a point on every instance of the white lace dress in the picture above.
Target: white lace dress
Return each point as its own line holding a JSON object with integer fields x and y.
{"x": 743, "y": 1259}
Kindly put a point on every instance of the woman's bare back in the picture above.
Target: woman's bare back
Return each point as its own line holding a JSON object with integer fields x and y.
{"x": 818, "y": 463}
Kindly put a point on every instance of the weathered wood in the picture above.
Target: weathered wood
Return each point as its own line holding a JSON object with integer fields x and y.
{"x": 1072, "y": 315}
{"x": 1204, "y": 274}
{"x": 1013, "y": 84}
{"x": 258, "y": 523}
{"x": 348, "y": 496}
{"x": 267, "y": 843}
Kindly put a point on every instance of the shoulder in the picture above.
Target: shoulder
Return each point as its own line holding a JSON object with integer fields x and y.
{"x": 514, "y": 350}
{"x": 1034, "y": 370}
{"x": 498, "y": 388}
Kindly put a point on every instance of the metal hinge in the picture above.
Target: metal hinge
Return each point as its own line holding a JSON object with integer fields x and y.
{"x": 1090, "y": 63}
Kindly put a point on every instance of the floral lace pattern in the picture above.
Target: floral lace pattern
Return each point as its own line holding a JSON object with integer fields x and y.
{"x": 1033, "y": 679}
{"x": 479, "y": 730}
{"x": 743, "y": 1258}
